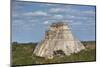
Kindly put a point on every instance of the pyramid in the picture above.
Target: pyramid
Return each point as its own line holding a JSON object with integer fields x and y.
{"x": 58, "y": 41}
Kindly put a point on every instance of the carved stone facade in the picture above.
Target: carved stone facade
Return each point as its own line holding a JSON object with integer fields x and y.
{"x": 58, "y": 41}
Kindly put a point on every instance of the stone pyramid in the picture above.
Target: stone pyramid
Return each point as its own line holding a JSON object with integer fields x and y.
{"x": 58, "y": 41}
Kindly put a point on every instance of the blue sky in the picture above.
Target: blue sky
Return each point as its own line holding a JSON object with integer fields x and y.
{"x": 30, "y": 20}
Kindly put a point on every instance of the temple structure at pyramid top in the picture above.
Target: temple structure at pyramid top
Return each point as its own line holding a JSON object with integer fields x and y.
{"x": 58, "y": 41}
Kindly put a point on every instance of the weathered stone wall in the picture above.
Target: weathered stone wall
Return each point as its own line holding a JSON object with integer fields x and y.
{"x": 58, "y": 39}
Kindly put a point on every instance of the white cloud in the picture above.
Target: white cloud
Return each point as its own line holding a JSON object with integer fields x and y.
{"x": 17, "y": 22}
{"x": 77, "y": 17}
{"x": 36, "y": 13}
{"x": 15, "y": 15}
{"x": 49, "y": 21}
{"x": 76, "y": 23}
{"x": 71, "y": 16}
{"x": 89, "y": 12}
{"x": 32, "y": 20}
{"x": 55, "y": 10}
{"x": 46, "y": 22}
{"x": 58, "y": 16}
{"x": 49, "y": 4}
{"x": 68, "y": 21}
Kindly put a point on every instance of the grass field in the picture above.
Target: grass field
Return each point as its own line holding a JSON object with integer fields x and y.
{"x": 22, "y": 55}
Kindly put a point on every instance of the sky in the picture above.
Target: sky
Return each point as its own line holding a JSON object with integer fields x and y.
{"x": 30, "y": 20}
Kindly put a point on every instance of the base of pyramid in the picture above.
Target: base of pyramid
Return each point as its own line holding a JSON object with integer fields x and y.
{"x": 49, "y": 52}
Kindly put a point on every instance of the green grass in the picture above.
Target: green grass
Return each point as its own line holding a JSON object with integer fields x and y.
{"x": 22, "y": 55}
{"x": 88, "y": 55}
